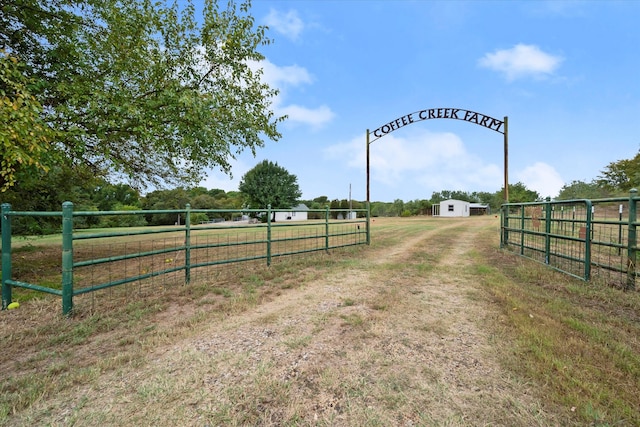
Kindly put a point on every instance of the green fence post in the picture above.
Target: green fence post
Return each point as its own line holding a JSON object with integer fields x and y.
{"x": 6, "y": 255}
{"x": 187, "y": 244}
{"x": 326, "y": 229}
{"x": 547, "y": 231}
{"x": 268, "y": 235}
{"x": 501, "y": 227}
{"x": 368, "y": 223}
{"x": 522, "y": 219}
{"x": 631, "y": 242}
{"x": 67, "y": 258}
{"x": 505, "y": 225}
{"x": 587, "y": 240}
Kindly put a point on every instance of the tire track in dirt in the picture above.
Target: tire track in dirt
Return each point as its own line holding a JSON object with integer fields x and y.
{"x": 469, "y": 386}
{"x": 407, "y": 244}
{"x": 462, "y": 354}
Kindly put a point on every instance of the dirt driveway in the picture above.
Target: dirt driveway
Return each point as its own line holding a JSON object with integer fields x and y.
{"x": 399, "y": 333}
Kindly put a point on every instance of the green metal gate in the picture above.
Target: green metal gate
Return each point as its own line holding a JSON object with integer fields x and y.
{"x": 583, "y": 238}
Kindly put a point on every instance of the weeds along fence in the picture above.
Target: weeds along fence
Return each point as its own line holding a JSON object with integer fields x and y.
{"x": 587, "y": 239}
{"x": 81, "y": 261}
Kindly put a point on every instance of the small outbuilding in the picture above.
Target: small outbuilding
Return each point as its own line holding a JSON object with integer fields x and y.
{"x": 451, "y": 207}
{"x": 299, "y": 213}
{"x": 458, "y": 208}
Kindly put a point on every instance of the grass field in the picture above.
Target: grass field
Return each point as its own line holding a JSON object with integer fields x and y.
{"x": 432, "y": 324}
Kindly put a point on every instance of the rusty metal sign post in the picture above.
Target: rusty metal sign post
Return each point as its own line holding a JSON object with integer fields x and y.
{"x": 500, "y": 126}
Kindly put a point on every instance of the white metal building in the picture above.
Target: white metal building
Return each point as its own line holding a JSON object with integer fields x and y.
{"x": 451, "y": 207}
{"x": 299, "y": 213}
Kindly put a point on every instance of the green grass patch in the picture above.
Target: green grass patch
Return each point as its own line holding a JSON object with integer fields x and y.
{"x": 576, "y": 340}
{"x": 227, "y": 293}
{"x": 348, "y": 302}
{"x": 298, "y": 342}
{"x": 352, "y": 319}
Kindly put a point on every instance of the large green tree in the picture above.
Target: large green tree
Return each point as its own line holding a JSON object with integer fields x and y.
{"x": 107, "y": 197}
{"x": 621, "y": 175}
{"x": 270, "y": 184}
{"x": 174, "y": 199}
{"x": 583, "y": 190}
{"x": 519, "y": 193}
{"x": 143, "y": 90}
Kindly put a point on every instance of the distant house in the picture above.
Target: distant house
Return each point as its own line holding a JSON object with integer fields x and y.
{"x": 451, "y": 207}
{"x": 457, "y": 208}
{"x": 299, "y": 213}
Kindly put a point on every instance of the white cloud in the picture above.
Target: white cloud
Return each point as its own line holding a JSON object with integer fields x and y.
{"x": 275, "y": 76}
{"x": 431, "y": 161}
{"x": 542, "y": 178}
{"x": 316, "y": 117}
{"x": 288, "y": 24}
{"x": 521, "y": 61}
{"x": 286, "y": 79}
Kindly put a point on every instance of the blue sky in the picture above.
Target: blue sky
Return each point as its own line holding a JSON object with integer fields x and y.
{"x": 565, "y": 73}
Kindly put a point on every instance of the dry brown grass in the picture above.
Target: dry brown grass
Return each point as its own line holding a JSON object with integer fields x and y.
{"x": 408, "y": 331}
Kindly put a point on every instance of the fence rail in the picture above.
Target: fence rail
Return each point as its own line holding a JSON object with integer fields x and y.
{"x": 583, "y": 238}
{"x": 91, "y": 261}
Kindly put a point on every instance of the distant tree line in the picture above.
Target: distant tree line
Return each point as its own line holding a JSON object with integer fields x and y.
{"x": 96, "y": 194}
{"x": 99, "y": 195}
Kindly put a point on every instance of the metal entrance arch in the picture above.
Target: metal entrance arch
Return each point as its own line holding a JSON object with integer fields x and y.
{"x": 500, "y": 126}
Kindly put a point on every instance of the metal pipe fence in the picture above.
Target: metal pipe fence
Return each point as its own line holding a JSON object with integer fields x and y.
{"x": 583, "y": 238}
{"x": 92, "y": 260}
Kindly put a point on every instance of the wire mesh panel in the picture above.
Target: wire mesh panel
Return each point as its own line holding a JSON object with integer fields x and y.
{"x": 609, "y": 238}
